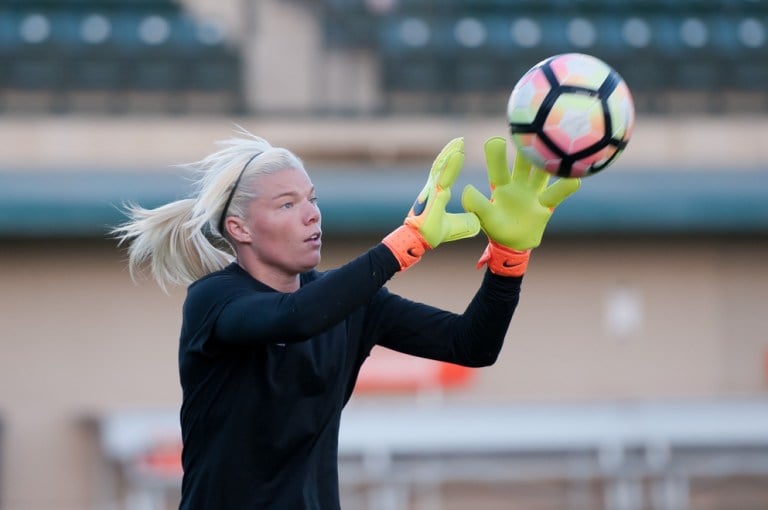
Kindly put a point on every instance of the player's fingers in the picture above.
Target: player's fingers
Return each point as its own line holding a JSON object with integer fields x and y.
{"x": 461, "y": 226}
{"x": 455, "y": 145}
{"x": 475, "y": 202}
{"x": 496, "y": 160}
{"x": 539, "y": 179}
{"x": 521, "y": 169}
{"x": 559, "y": 191}
{"x": 451, "y": 170}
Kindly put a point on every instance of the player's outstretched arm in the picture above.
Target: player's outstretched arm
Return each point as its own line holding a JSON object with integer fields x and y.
{"x": 517, "y": 213}
{"x": 427, "y": 224}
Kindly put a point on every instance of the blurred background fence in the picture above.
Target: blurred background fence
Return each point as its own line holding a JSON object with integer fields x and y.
{"x": 706, "y": 50}
{"x": 95, "y": 55}
{"x": 432, "y": 56}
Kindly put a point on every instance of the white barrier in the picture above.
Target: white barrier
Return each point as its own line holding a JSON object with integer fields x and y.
{"x": 392, "y": 449}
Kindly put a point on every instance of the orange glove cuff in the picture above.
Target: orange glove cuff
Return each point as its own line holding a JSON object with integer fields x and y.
{"x": 504, "y": 261}
{"x": 407, "y": 245}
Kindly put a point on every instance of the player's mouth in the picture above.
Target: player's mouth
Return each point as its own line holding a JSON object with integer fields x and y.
{"x": 314, "y": 239}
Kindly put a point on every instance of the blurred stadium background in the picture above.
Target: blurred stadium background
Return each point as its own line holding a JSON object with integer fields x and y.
{"x": 635, "y": 373}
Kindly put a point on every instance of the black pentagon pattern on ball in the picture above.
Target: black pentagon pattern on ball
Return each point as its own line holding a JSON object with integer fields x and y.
{"x": 556, "y": 89}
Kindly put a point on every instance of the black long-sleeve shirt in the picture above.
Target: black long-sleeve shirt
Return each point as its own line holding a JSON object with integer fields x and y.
{"x": 265, "y": 374}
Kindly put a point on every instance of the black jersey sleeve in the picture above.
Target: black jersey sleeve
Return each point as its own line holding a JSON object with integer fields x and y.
{"x": 473, "y": 338}
{"x": 269, "y": 316}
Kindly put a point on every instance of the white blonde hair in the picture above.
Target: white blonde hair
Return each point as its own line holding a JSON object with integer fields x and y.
{"x": 180, "y": 242}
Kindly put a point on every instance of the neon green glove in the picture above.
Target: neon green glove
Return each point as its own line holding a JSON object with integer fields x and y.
{"x": 521, "y": 204}
{"x": 427, "y": 224}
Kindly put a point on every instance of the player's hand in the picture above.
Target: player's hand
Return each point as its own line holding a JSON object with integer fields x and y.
{"x": 521, "y": 203}
{"x": 428, "y": 215}
{"x": 427, "y": 224}
{"x": 516, "y": 215}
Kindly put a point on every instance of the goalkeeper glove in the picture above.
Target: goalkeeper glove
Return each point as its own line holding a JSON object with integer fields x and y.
{"x": 515, "y": 217}
{"x": 427, "y": 223}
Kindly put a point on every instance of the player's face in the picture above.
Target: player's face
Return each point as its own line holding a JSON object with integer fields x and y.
{"x": 284, "y": 220}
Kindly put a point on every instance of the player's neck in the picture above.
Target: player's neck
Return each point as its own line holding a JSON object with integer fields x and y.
{"x": 273, "y": 277}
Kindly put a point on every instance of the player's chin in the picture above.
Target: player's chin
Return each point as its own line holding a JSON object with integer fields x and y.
{"x": 310, "y": 260}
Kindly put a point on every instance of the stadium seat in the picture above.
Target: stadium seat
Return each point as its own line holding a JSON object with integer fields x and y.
{"x": 10, "y": 39}
{"x": 744, "y": 44}
{"x": 160, "y": 50}
{"x": 29, "y": 54}
{"x": 414, "y": 75}
{"x": 698, "y": 68}
{"x": 76, "y": 46}
{"x": 80, "y": 5}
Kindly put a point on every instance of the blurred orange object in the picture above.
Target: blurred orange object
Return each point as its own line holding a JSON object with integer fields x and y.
{"x": 162, "y": 460}
{"x": 387, "y": 371}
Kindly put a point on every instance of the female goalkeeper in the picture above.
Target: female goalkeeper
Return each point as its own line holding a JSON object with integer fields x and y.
{"x": 270, "y": 348}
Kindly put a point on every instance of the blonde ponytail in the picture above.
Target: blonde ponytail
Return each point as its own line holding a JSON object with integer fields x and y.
{"x": 170, "y": 244}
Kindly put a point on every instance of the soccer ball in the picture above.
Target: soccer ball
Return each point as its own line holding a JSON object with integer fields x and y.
{"x": 571, "y": 115}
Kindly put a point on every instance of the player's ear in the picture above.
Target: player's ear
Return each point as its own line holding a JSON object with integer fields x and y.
{"x": 238, "y": 230}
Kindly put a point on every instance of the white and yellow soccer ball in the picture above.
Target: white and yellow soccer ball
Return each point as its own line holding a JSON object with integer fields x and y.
{"x": 571, "y": 115}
